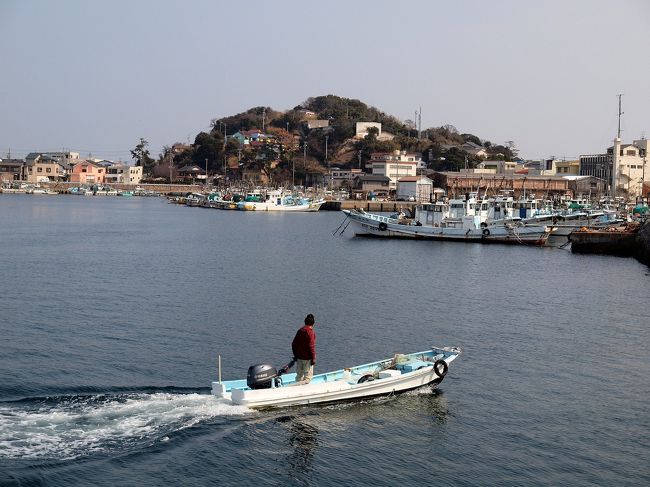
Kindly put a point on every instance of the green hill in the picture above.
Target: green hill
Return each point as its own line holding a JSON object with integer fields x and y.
{"x": 441, "y": 147}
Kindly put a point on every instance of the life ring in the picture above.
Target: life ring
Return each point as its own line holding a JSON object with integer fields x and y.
{"x": 436, "y": 366}
{"x": 486, "y": 232}
{"x": 382, "y": 226}
{"x": 366, "y": 378}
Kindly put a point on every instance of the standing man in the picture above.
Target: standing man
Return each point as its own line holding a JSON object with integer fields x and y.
{"x": 304, "y": 351}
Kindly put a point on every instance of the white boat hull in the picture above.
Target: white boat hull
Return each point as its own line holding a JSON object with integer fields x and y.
{"x": 336, "y": 386}
{"x": 270, "y": 206}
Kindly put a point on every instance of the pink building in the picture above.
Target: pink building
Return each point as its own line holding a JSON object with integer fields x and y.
{"x": 86, "y": 172}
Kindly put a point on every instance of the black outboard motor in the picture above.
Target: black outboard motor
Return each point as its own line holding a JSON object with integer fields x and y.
{"x": 261, "y": 376}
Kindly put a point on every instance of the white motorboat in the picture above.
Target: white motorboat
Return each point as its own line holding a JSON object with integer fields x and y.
{"x": 266, "y": 387}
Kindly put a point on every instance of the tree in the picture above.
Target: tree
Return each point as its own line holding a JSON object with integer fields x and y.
{"x": 471, "y": 138}
{"x": 142, "y": 157}
{"x": 207, "y": 146}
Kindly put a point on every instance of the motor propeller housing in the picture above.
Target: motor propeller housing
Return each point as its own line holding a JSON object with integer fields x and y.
{"x": 261, "y": 376}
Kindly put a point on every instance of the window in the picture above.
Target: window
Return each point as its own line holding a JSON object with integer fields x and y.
{"x": 40, "y": 169}
{"x": 49, "y": 169}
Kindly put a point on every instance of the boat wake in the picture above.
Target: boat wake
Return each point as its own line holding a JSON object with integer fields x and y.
{"x": 69, "y": 427}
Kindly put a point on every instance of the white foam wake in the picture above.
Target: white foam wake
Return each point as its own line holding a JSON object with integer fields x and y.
{"x": 80, "y": 426}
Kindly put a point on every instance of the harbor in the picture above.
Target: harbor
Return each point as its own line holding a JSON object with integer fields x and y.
{"x": 243, "y": 247}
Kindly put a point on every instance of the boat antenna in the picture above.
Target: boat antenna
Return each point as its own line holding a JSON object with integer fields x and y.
{"x": 620, "y": 95}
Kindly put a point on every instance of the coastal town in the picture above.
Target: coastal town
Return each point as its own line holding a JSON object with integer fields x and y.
{"x": 456, "y": 187}
{"x": 396, "y": 175}
{"x": 343, "y": 149}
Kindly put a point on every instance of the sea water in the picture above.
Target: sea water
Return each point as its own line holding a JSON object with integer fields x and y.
{"x": 114, "y": 312}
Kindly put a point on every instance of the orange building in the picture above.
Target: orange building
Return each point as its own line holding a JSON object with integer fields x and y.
{"x": 86, "y": 172}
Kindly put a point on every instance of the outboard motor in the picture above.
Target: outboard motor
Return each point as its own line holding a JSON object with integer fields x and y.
{"x": 261, "y": 376}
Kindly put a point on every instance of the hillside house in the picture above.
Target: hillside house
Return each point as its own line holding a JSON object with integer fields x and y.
{"x": 245, "y": 137}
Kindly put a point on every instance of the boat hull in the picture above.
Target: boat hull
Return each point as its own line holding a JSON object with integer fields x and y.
{"x": 269, "y": 206}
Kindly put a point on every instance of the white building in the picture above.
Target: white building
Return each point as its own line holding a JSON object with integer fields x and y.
{"x": 362, "y": 129}
{"x": 414, "y": 188}
{"x": 623, "y": 167}
{"x": 394, "y": 165}
{"x": 124, "y": 174}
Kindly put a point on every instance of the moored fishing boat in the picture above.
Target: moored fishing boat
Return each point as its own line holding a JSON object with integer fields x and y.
{"x": 277, "y": 200}
{"x": 434, "y": 222}
{"x": 266, "y": 387}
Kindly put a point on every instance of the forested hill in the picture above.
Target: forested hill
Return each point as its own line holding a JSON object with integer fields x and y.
{"x": 443, "y": 148}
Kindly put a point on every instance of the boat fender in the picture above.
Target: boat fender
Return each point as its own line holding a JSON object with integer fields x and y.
{"x": 486, "y": 232}
{"x": 554, "y": 220}
{"x": 436, "y": 368}
{"x": 382, "y": 226}
{"x": 366, "y": 378}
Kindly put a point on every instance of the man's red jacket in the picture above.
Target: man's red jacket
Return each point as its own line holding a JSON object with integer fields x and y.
{"x": 304, "y": 344}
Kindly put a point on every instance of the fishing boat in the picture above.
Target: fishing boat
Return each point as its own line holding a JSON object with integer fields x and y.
{"x": 435, "y": 222}
{"x": 267, "y": 387}
{"x": 277, "y": 200}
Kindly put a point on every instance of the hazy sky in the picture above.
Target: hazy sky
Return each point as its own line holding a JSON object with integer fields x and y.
{"x": 95, "y": 76}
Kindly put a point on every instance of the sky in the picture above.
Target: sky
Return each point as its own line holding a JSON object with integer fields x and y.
{"x": 96, "y": 76}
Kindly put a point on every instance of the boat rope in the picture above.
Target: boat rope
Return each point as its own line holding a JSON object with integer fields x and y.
{"x": 514, "y": 232}
{"x": 339, "y": 227}
{"x": 344, "y": 228}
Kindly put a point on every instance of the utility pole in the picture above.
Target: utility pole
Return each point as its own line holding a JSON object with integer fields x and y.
{"x": 225, "y": 136}
{"x": 619, "y": 114}
{"x": 329, "y": 172}
{"x": 415, "y": 122}
{"x": 206, "y": 172}
{"x": 304, "y": 161}
{"x": 645, "y": 154}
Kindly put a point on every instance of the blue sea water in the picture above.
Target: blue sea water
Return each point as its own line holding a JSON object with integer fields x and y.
{"x": 114, "y": 310}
